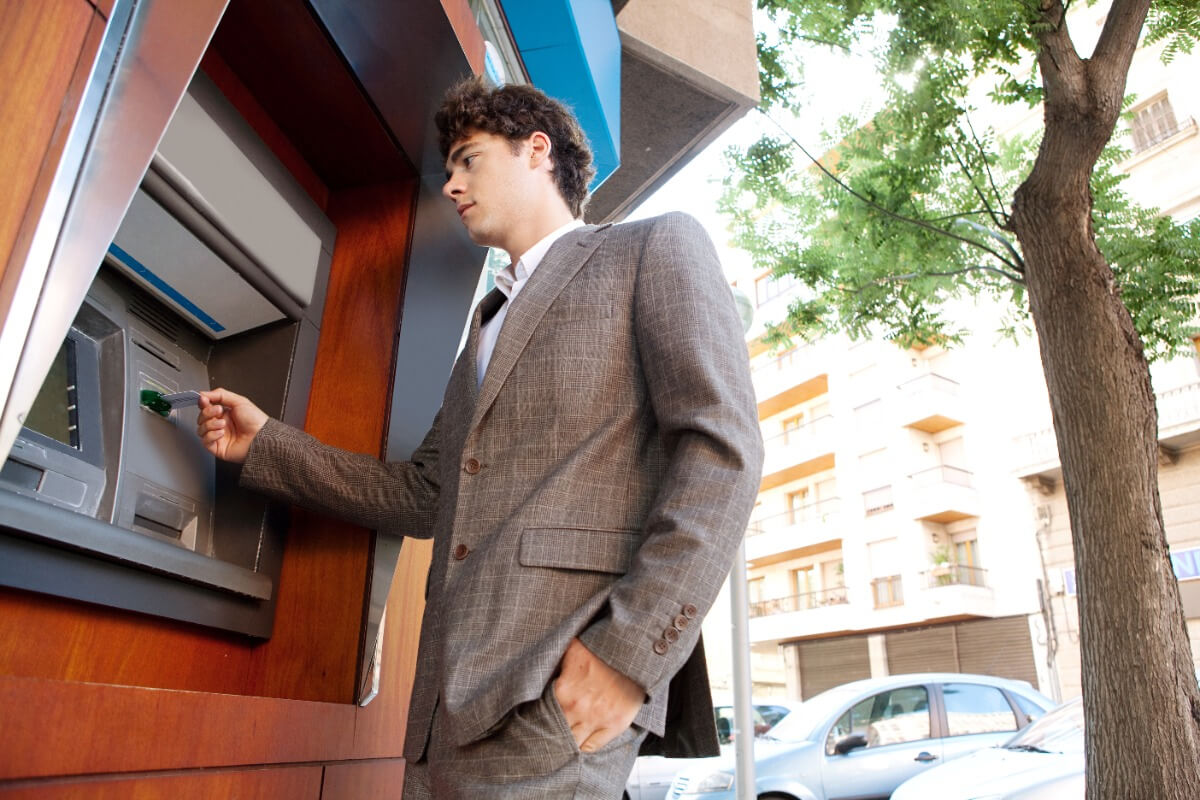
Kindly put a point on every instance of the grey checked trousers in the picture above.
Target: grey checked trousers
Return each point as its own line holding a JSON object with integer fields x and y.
{"x": 532, "y": 756}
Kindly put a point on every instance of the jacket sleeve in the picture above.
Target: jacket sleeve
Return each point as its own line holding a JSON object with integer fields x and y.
{"x": 395, "y": 497}
{"x": 693, "y": 353}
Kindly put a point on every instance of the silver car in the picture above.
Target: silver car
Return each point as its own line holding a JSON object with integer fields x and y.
{"x": 1042, "y": 762}
{"x": 864, "y": 739}
{"x": 652, "y": 775}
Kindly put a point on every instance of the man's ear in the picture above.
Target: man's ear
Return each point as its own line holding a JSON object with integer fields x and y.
{"x": 540, "y": 150}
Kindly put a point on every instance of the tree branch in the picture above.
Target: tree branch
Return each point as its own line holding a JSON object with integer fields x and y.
{"x": 1062, "y": 69}
{"x": 912, "y": 221}
{"x": 1109, "y": 65}
{"x": 971, "y": 179}
{"x": 952, "y": 272}
{"x": 987, "y": 168}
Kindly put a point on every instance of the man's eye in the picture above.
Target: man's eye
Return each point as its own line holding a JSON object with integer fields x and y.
{"x": 467, "y": 160}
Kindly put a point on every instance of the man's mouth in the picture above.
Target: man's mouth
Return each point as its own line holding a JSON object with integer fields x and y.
{"x": 464, "y": 207}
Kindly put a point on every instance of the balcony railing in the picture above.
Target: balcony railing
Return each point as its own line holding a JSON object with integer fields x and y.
{"x": 955, "y": 575}
{"x": 942, "y": 474}
{"x": 783, "y": 360}
{"x": 834, "y": 596}
{"x": 1178, "y": 406}
{"x": 930, "y": 382}
{"x": 811, "y": 514}
{"x": 887, "y": 591}
{"x": 801, "y": 434}
{"x": 878, "y": 500}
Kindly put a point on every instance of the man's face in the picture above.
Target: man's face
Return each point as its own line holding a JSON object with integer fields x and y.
{"x": 489, "y": 185}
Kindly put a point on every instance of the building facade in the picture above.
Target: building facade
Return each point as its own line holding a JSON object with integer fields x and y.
{"x": 911, "y": 515}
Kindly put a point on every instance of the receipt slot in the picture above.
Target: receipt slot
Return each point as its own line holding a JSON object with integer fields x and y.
{"x": 216, "y": 276}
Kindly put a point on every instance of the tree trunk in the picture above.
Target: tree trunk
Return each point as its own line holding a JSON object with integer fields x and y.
{"x": 1140, "y": 696}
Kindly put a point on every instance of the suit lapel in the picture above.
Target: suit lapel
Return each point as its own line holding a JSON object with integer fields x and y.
{"x": 566, "y": 257}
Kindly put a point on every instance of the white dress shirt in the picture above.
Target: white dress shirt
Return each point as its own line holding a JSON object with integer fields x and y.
{"x": 510, "y": 281}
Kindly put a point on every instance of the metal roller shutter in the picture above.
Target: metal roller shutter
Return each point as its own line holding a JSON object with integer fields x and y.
{"x": 826, "y": 663}
{"x": 999, "y": 647}
{"x": 922, "y": 650}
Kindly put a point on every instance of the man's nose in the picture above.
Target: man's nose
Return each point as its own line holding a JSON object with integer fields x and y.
{"x": 452, "y": 187}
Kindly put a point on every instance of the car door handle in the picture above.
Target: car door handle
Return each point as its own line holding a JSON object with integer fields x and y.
{"x": 925, "y": 756}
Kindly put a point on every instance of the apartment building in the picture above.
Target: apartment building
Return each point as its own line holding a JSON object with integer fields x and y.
{"x": 912, "y": 514}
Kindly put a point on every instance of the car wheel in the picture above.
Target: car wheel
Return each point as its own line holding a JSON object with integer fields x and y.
{"x": 775, "y": 796}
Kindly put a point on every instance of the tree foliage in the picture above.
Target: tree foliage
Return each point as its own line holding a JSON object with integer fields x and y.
{"x": 899, "y": 214}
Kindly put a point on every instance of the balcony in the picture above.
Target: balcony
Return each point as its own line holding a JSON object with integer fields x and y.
{"x": 1036, "y": 454}
{"x": 798, "y": 453}
{"x": 887, "y": 592}
{"x": 806, "y": 531}
{"x": 789, "y": 378}
{"x": 943, "y": 494}
{"x": 878, "y": 500}
{"x": 1179, "y": 416}
{"x": 930, "y": 403}
{"x": 954, "y": 575}
{"x": 835, "y": 596}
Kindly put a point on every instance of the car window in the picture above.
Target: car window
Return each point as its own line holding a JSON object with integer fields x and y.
{"x": 1060, "y": 731}
{"x": 1030, "y": 709}
{"x": 891, "y": 717}
{"x": 772, "y": 714}
{"x": 973, "y": 708}
{"x": 726, "y": 724}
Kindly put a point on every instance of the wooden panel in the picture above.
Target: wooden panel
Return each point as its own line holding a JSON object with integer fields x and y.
{"x": 468, "y": 33}
{"x": 129, "y": 729}
{"x": 351, "y": 388}
{"x": 43, "y": 48}
{"x": 380, "y": 727}
{"x": 358, "y": 781}
{"x": 267, "y": 129}
{"x": 295, "y": 783}
{"x": 105, "y": 7}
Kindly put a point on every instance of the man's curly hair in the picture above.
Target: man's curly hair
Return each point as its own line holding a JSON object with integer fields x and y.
{"x": 516, "y": 112}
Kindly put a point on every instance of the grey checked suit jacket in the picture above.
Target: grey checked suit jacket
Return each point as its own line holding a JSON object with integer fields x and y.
{"x": 596, "y": 485}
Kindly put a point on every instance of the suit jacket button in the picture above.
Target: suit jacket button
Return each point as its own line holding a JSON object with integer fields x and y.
{"x": 671, "y": 635}
{"x": 690, "y": 611}
{"x": 472, "y": 466}
{"x": 461, "y": 552}
{"x": 680, "y": 622}
{"x": 661, "y": 647}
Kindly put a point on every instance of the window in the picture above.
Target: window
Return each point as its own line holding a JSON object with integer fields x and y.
{"x": 791, "y": 425}
{"x": 768, "y": 287}
{"x": 971, "y": 708}
{"x": 802, "y": 586}
{"x": 796, "y": 503}
{"x": 1153, "y": 123}
{"x": 754, "y": 589}
{"x": 1029, "y": 710}
{"x": 966, "y": 558}
{"x": 891, "y": 717}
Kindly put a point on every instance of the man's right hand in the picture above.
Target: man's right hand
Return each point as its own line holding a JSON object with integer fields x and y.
{"x": 228, "y": 424}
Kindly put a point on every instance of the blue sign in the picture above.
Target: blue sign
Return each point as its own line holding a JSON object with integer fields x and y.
{"x": 1185, "y": 563}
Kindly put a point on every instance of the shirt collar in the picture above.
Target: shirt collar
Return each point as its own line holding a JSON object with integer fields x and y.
{"x": 512, "y": 275}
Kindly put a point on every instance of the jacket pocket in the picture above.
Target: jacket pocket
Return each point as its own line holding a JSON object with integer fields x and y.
{"x": 579, "y": 548}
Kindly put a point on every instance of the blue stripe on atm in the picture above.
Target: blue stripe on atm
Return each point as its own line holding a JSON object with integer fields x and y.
{"x": 164, "y": 287}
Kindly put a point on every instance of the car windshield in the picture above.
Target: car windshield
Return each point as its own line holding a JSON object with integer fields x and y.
{"x": 1060, "y": 731}
{"x": 799, "y": 725}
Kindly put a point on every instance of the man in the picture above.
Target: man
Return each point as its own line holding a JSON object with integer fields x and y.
{"x": 586, "y": 481}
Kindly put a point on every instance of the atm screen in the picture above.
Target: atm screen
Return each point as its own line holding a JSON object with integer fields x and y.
{"x": 54, "y": 413}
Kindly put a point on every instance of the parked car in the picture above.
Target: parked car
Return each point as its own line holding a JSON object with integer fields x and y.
{"x": 652, "y": 775}
{"x": 864, "y": 739}
{"x": 1042, "y": 762}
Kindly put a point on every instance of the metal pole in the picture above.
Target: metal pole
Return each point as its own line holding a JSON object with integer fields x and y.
{"x": 743, "y": 713}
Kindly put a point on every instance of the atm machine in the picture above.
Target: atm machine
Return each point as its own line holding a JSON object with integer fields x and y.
{"x": 216, "y": 277}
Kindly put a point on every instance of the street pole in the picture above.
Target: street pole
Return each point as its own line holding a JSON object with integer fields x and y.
{"x": 743, "y": 712}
